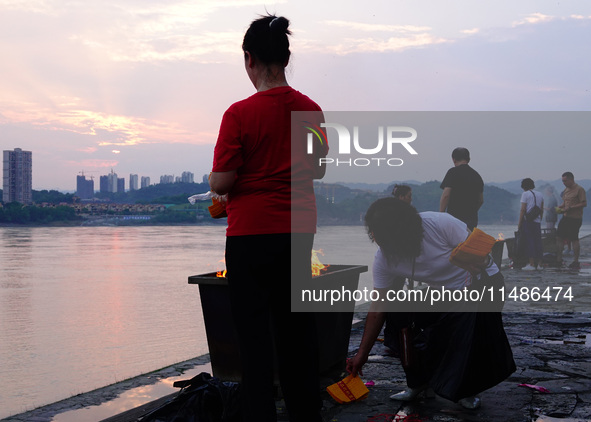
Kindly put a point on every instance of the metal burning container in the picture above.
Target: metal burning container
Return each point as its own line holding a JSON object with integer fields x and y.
{"x": 334, "y": 328}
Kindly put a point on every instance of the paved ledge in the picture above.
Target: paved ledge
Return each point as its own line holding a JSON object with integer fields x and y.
{"x": 105, "y": 394}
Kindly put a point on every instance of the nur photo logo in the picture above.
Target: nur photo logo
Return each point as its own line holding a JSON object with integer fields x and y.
{"x": 374, "y": 148}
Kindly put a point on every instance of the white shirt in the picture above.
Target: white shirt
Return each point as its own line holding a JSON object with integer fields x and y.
{"x": 441, "y": 234}
{"x": 527, "y": 197}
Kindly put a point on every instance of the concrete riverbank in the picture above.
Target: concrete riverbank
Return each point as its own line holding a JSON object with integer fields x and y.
{"x": 551, "y": 346}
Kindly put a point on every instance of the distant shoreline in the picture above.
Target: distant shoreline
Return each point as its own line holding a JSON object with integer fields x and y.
{"x": 106, "y": 224}
{"x": 209, "y": 222}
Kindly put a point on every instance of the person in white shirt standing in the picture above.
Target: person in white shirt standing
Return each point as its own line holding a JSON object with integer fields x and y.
{"x": 530, "y": 218}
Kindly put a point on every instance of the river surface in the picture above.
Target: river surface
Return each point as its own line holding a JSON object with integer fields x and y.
{"x": 84, "y": 307}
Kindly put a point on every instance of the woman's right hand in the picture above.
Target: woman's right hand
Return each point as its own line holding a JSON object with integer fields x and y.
{"x": 355, "y": 364}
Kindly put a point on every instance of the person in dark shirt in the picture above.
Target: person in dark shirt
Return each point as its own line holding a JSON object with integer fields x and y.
{"x": 402, "y": 192}
{"x": 463, "y": 189}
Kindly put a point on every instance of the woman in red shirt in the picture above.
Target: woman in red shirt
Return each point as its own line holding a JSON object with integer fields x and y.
{"x": 271, "y": 224}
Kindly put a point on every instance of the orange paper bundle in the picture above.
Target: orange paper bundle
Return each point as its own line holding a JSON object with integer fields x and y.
{"x": 217, "y": 210}
{"x": 473, "y": 249}
{"x": 348, "y": 390}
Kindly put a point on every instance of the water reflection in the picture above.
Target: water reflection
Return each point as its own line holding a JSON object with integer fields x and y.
{"x": 130, "y": 399}
{"x": 85, "y": 307}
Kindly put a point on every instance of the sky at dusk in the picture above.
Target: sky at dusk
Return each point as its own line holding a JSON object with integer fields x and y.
{"x": 140, "y": 86}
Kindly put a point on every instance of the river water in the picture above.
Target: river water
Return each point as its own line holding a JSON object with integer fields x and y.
{"x": 84, "y": 307}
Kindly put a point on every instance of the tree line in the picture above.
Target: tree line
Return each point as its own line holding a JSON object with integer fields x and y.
{"x": 17, "y": 213}
{"x": 336, "y": 204}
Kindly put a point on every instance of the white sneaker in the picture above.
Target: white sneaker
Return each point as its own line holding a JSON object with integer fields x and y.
{"x": 529, "y": 267}
{"x": 413, "y": 393}
{"x": 407, "y": 395}
{"x": 470, "y": 402}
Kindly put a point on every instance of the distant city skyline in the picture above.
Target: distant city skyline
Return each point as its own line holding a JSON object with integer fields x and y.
{"x": 111, "y": 182}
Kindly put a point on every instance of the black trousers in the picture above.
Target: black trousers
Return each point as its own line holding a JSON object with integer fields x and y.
{"x": 260, "y": 271}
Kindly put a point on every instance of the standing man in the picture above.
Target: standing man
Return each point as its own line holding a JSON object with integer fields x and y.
{"x": 463, "y": 189}
{"x": 574, "y": 200}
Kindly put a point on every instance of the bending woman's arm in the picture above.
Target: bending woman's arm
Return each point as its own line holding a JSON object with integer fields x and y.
{"x": 373, "y": 325}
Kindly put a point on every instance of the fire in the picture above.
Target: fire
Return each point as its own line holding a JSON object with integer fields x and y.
{"x": 222, "y": 273}
{"x": 317, "y": 266}
{"x": 501, "y": 236}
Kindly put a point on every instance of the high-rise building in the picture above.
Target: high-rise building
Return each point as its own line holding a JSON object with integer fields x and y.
{"x": 84, "y": 187}
{"x": 18, "y": 176}
{"x": 166, "y": 178}
{"x": 187, "y": 177}
{"x": 109, "y": 182}
{"x": 133, "y": 181}
{"x": 145, "y": 182}
{"x": 120, "y": 184}
{"x": 104, "y": 184}
{"x": 112, "y": 177}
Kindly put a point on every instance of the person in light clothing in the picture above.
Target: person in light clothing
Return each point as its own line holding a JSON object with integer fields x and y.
{"x": 530, "y": 228}
{"x": 463, "y": 353}
{"x": 574, "y": 200}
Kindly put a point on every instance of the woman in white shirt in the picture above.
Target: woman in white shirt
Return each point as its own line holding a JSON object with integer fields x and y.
{"x": 461, "y": 353}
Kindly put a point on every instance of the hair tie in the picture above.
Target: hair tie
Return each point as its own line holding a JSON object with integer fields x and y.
{"x": 271, "y": 23}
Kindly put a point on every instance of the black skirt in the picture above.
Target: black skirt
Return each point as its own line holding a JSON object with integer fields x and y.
{"x": 458, "y": 354}
{"x": 468, "y": 353}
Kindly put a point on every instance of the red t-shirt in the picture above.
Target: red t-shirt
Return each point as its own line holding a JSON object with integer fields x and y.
{"x": 255, "y": 140}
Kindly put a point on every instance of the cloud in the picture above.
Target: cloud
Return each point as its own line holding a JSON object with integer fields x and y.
{"x": 87, "y": 150}
{"x": 209, "y": 47}
{"x": 373, "y": 27}
{"x": 376, "y": 45}
{"x": 110, "y": 129}
{"x": 534, "y": 18}
{"x": 92, "y": 164}
{"x": 579, "y": 17}
{"x": 470, "y": 31}
{"x": 34, "y": 6}
{"x": 396, "y": 38}
{"x": 137, "y": 31}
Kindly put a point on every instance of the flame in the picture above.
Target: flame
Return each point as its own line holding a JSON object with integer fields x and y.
{"x": 501, "y": 236}
{"x": 222, "y": 273}
{"x": 317, "y": 266}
